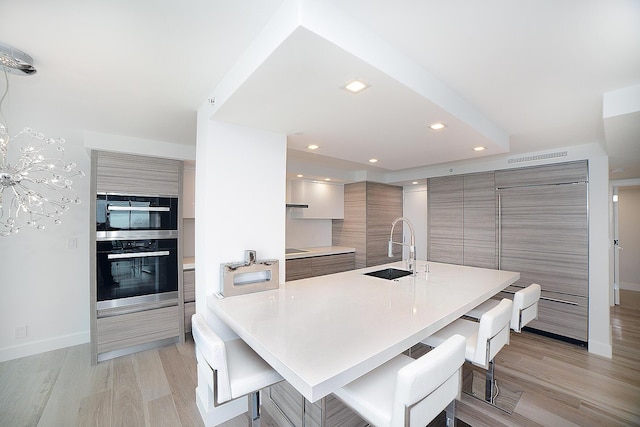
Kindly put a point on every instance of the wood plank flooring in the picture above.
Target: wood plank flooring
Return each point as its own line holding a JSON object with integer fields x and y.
{"x": 562, "y": 384}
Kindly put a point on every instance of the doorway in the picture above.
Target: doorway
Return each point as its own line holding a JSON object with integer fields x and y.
{"x": 626, "y": 238}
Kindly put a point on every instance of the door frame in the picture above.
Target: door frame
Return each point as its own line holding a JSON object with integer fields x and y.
{"x": 614, "y": 260}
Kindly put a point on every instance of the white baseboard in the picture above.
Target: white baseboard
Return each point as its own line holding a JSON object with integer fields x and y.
{"x": 630, "y": 286}
{"x": 601, "y": 349}
{"x": 41, "y": 346}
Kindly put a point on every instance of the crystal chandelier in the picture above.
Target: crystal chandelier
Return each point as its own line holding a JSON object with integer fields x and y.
{"x": 35, "y": 180}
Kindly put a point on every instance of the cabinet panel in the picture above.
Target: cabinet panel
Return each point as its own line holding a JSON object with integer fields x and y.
{"x": 189, "y": 192}
{"x": 189, "y": 285}
{"x": 384, "y": 204}
{"x": 303, "y": 268}
{"x": 446, "y": 219}
{"x": 189, "y": 310}
{"x": 546, "y": 174}
{"x": 131, "y": 174}
{"x": 560, "y": 314}
{"x": 331, "y": 264}
{"x": 296, "y": 269}
{"x": 118, "y": 332}
{"x": 479, "y": 212}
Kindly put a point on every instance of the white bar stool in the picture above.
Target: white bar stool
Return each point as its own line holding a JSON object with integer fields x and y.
{"x": 237, "y": 370}
{"x": 484, "y": 339}
{"x": 525, "y": 307}
{"x": 408, "y": 392}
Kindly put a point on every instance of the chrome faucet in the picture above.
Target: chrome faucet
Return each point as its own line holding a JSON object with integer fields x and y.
{"x": 412, "y": 243}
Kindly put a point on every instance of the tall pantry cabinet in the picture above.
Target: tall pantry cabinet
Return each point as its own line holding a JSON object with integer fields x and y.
{"x": 531, "y": 220}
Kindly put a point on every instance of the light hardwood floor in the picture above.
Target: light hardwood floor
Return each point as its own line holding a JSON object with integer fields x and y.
{"x": 562, "y": 384}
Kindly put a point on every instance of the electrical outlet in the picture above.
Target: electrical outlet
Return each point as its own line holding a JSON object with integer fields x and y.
{"x": 21, "y": 331}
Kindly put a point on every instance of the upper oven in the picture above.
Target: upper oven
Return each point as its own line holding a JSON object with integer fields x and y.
{"x": 119, "y": 216}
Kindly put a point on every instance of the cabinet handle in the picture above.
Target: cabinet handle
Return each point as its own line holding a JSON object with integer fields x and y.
{"x": 139, "y": 208}
{"x": 138, "y": 255}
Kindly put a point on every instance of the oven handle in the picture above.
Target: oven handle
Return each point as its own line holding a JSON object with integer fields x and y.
{"x": 138, "y": 255}
{"x": 139, "y": 208}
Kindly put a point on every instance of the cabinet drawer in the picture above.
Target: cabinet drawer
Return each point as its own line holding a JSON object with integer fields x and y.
{"x": 560, "y": 314}
{"x": 127, "y": 330}
{"x": 189, "y": 310}
{"x": 331, "y": 264}
{"x": 189, "y": 285}
{"x": 296, "y": 269}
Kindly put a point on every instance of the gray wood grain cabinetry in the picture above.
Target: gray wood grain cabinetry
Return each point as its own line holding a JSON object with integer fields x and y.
{"x": 479, "y": 219}
{"x": 134, "y": 329}
{"x": 445, "y": 207}
{"x": 544, "y": 235}
{"x": 189, "y": 295}
{"x": 369, "y": 210}
{"x": 303, "y": 268}
{"x": 120, "y": 173}
{"x": 288, "y": 407}
{"x": 531, "y": 220}
{"x": 121, "y": 331}
{"x": 462, "y": 220}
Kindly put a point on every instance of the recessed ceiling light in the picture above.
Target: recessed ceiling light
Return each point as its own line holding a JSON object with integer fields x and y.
{"x": 312, "y": 147}
{"x": 437, "y": 126}
{"x": 327, "y": 179}
{"x": 479, "y": 148}
{"x": 355, "y": 86}
{"x": 414, "y": 182}
{"x": 373, "y": 160}
{"x": 300, "y": 175}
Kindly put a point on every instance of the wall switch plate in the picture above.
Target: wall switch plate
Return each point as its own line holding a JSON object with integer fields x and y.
{"x": 21, "y": 331}
{"x": 72, "y": 243}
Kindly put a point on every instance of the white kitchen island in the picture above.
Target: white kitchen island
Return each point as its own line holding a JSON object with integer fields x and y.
{"x": 324, "y": 332}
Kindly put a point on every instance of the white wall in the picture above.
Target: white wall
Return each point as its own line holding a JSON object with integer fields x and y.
{"x": 44, "y": 282}
{"x": 629, "y": 233}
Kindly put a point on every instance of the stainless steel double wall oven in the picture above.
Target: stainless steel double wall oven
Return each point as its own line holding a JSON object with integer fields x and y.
{"x": 137, "y": 250}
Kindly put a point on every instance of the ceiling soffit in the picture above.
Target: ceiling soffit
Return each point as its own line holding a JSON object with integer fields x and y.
{"x": 289, "y": 81}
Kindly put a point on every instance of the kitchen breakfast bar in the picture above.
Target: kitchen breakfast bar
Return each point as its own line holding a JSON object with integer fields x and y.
{"x": 322, "y": 333}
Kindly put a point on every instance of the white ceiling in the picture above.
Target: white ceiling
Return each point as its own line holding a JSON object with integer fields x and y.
{"x": 535, "y": 70}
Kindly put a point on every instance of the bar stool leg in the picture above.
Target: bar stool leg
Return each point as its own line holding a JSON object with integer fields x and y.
{"x": 489, "y": 383}
{"x": 254, "y": 409}
{"x": 450, "y": 412}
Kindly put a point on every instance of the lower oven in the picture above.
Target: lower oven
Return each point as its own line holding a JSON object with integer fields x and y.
{"x": 136, "y": 272}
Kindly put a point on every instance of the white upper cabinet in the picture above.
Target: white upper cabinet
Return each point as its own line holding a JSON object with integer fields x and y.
{"x": 325, "y": 200}
{"x": 189, "y": 190}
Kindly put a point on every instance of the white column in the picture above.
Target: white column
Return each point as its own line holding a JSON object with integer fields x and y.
{"x": 240, "y": 205}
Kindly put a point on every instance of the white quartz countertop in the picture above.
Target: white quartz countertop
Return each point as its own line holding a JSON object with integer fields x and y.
{"x": 317, "y": 251}
{"x": 324, "y": 332}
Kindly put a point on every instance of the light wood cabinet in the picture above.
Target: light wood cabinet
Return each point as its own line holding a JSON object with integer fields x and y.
{"x": 544, "y": 234}
{"x": 136, "y": 329}
{"x": 121, "y": 173}
{"x": 531, "y": 220}
{"x": 445, "y": 223}
{"x": 189, "y": 191}
{"x": 325, "y": 200}
{"x": 189, "y": 297}
{"x": 303, "y": 268}
{"x": 369, "y": 210}
{"x": 462, "y": 220}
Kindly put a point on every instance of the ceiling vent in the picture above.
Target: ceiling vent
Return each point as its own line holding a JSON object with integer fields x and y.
{"x": 538, "y": 157}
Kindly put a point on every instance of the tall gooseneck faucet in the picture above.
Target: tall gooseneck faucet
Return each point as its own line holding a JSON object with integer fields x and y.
{"x": 412, "y": 243}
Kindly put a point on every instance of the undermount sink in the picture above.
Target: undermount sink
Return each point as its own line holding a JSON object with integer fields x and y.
{"x": 388, "y": 273}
